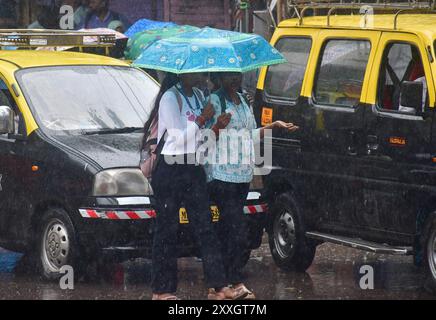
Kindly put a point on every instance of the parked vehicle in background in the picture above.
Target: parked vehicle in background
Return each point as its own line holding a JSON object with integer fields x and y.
{"x": 361, "y": 170}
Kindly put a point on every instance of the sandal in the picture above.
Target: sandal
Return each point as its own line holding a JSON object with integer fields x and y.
{"x": 241, "y": 289}
{"x": 225, "y": 293}
{"x": 165, "y": 297}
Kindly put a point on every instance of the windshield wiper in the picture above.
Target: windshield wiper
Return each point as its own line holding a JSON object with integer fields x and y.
{"x": 113, "y": 131}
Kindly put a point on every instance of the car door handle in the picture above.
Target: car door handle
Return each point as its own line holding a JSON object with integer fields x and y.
{"x": 351, "y": 149}
{"x": 372, "y": 145}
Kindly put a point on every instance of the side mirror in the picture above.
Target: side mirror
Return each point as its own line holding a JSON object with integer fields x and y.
{"x": 411, "y": 97}
{"x": 7, "y": 121}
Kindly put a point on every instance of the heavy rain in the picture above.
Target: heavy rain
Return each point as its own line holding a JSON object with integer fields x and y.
{"x": 248, "y": 150}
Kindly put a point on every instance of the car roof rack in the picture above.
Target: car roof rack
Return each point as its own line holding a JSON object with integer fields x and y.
{"x": 300, "y": 7}
{"x": 32, "y": 38}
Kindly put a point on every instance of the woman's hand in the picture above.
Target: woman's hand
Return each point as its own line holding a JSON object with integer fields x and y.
{"x": 284, "y": 125}
{"x": 279, "y": 125}
{"x": 206, "y": 115}
{"x": 208, "y": 112}
{"x": 223, "y": 120}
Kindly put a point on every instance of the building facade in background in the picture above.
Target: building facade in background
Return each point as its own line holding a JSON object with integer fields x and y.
{"x": 214, "y": 13}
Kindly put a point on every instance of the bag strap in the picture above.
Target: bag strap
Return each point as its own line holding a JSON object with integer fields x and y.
{"x": 179, "y": 98}
{"x": 162, "y": 141}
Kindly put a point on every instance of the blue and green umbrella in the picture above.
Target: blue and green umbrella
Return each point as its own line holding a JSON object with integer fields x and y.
{"x": 140, "y": 41}
{"x": 209, "y": 50}
{"x": 146, "y": 24}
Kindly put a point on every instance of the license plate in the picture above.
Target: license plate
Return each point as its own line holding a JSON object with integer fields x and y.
{"x": 215, "y": 214}
{"x": 183, "y": 215}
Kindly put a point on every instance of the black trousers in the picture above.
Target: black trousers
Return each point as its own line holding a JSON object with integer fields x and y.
{"x": 172, "y": 186}
{"x": 232, "y": 228}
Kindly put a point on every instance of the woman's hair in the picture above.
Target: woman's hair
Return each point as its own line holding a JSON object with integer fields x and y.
{"x": 168, "y": 82}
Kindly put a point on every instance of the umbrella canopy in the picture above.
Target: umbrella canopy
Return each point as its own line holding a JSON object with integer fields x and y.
{"x": 145, "y": 24}
{"x": 209, "y": 50}
{"x": 141, "y": 40}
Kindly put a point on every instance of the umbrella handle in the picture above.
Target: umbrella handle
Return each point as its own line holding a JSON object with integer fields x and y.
{"x": 210, "y": 93}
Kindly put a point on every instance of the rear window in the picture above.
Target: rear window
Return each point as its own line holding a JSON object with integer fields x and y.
{"x": 341, "y": 72}
{"x": 284, "y": 81}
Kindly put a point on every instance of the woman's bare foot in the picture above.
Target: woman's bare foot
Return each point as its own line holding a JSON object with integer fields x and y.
{"x": 164, "y": 296}
{"x": 240, "y": 288}
{"x": 225, "y": 293}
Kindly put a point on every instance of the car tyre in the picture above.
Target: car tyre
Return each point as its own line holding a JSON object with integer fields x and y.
{"x": 57, "y": 245}
{"x": 290, "y": 248}
{"x": 430, "y": 254}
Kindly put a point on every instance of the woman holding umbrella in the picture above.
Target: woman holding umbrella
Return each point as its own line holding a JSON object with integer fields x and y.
{"x": 205, "y": 50}
{"x": 179, "y": 106}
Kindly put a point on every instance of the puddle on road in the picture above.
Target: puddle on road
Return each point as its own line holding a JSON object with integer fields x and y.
{"x": 335, "y": 274}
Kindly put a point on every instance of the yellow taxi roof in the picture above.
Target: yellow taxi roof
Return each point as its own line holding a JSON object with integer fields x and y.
{"x": 424, "y": 24}
{"x": 32, "y": 58}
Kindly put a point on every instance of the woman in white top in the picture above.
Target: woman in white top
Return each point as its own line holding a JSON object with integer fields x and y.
{"x": 178, "y": 181}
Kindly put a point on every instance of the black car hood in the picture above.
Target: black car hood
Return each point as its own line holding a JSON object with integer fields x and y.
{"x": 109, "y": 150}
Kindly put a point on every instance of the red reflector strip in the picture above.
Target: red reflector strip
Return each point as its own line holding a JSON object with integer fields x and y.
{"x": 117, "y": 215}
{"x": 151, "y": 213}
{"x": 111, "y": 215}
{"x": 148, "y": 214}
{"x": 262, "y": 208}
{"x": 132, "y": 215}
{"x": 92, "y": 214}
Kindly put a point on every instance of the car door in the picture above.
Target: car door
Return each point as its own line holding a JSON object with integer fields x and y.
{"x": 398, "y": 143}
{"x": 11, "y": 170}
{"x": 279, "y": 98}
{"x": 282, "y": 86}
{"x": 335, "y": 122}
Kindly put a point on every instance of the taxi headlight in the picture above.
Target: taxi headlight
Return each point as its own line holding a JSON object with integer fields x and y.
{"x": 121, "y": 182}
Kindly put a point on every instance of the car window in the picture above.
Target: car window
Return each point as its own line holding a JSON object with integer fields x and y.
{"x": 78, "y": 99}
{"x": 401, "y": 62}
{"x": 341, "y": 72}
{"x": 7, "y": 100}
{"x": 284, "y": 81}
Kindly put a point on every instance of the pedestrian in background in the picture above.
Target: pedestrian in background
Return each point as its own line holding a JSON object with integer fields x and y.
{"x": 100, "y": 16}
{"x": 117, "y": 25}
{"x": 48, "y": 18}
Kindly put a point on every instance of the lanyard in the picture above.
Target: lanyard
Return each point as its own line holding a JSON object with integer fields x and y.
{"x": 197, "y": 102}
{"x": 237, "y": 108}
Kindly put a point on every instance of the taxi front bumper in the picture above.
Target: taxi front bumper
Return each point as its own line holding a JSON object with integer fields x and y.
{"x": 124, "y": 226}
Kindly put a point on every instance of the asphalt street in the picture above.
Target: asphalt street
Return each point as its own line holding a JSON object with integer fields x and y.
{"x": 335, "y": 274}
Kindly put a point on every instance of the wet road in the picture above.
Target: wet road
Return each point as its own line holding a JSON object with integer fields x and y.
{"x": 334, "y": 275}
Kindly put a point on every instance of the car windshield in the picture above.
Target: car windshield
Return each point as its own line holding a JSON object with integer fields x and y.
{"x": 88, "y": 99}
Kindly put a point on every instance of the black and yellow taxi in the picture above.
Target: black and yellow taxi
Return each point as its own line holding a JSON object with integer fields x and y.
{"x": 361, "y": 170}
{"x": 71, "y": 123}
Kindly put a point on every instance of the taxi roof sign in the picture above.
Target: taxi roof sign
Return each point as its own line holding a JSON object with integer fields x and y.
{"x": 26, "y": 38}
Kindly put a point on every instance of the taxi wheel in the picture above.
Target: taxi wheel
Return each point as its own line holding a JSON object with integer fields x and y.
{"x": 57, "y": 244}
{"x": 290, "y": 248}
{"x": 430, "y": 255}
